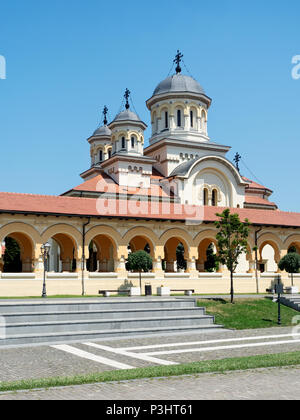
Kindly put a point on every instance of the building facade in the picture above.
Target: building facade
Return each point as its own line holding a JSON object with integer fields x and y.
{"x": 162, "y": 198}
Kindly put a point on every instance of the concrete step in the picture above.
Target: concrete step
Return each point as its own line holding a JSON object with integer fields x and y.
{"x": 31, "y": 317}
{"x": 55, "y": 338}
{"x": 291, "y": 302}
{"x": 52, "y": 305}
{"x": 107, "y": 324}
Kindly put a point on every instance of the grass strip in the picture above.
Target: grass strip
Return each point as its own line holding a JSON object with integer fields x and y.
{"x": 209, "y": 366}
{"x": 248, "y": 313}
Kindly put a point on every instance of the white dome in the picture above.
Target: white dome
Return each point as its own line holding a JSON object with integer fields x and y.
{"x": 179, "y": 83}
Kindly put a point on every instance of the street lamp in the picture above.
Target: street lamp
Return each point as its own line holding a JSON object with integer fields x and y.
{"x": 45, "y": 249}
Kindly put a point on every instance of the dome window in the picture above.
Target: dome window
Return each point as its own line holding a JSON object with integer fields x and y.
{"x": 178, "y": 118}
{"x": 100, "y": 156}
{"x": 192, "y": 118}
{"x": 123, "y": 143}
{"x": 132, "y": 142}
{"x": 205, "y": 197}
{"x": 109, "y": 154}
{"x": 214, "y": 201}
{"x": 166, "y": 119}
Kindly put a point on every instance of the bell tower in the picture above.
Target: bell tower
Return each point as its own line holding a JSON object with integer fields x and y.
{"x": 128, "y": 166}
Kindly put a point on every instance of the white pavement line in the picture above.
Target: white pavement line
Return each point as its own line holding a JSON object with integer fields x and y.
{"x": 90, "y": 356}
{"x": 129, "y": 354}
{"x": 224, "y": 340}
{"x": 239, "y": 346}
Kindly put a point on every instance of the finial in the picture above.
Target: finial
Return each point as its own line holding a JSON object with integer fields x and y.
{"x": 177, "y": 60}
{"x": 105, "y": 112}
{"x": 237, "y": 159}
{"x": 126, "y": 96}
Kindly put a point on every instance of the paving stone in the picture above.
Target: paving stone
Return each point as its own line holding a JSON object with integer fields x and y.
{"x": 247, "y": 385}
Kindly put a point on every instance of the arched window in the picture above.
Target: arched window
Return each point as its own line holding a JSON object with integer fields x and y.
{"x": 214, "y": 201}
{"x": 178, "y": 118}
{"x": 132, "y": 142}
{"x": 192, "y": 118}
{"x": 123, "y": 143}
{"x": 109, "y": 153}
{"x": 100, "y": 156}
{"x": 205, "y": 197}
{"x": 166, "y": 119}
{"x": 155, "y": 125}
{"x": 203, "y": 121}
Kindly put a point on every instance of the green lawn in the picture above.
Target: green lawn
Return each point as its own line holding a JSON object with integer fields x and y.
{"x": 247, "y": 313}
{"x": 217, "y": 366}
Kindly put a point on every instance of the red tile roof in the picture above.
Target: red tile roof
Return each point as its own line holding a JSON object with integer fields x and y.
{"x": 103, "y": 183}
{"x": 252, "y": 199}
{"x": 255, "y": 185}
{"x": 76, "y": 206}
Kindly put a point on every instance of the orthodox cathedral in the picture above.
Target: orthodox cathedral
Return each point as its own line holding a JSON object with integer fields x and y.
{"x": 154, "y": 198}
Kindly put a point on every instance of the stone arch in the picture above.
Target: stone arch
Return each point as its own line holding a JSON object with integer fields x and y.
{"x": 107, "y": 231}
{"x": 184, "y": 236}
{"x": 168, "y": 243}
{"x": 103, "y": 259}
{"x": 202, "y": 242}
{"x": 292, "y": 240}
{"x": 59, "y": 231}
{"x": 28, "y": 240}
{"x": 274, "y": 242}
{"x": 142, "y": 232}
{"x": 23, "y": 228}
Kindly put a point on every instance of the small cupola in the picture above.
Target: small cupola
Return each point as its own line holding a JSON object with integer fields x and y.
{"x": 100, "y": 142}
{"x": 127, "y": 131}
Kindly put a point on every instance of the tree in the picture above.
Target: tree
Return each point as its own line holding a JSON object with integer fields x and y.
{"x": 211, "y": 264}
{"x": 181, "y": 263}
{"x": 232, "y": 241}
{"x": 12, "y": 260}
{"x": 139, "y": 261}
{"x": 290, "y": 263}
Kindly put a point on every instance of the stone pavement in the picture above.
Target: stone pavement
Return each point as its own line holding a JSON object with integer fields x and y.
{"x": 47, "y": 361}
{"x": 247, "y": 385}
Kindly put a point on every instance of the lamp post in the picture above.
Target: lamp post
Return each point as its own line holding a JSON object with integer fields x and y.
{"x": 45, "y": 249}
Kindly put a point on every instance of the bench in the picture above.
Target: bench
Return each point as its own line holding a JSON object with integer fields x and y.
{"x": 107, "y": 292}
{"x": 187, "y": 292}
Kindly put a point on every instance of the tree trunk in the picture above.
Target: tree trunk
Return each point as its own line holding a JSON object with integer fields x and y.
{"x": 231, "y": 286}
{"x": 141, "y": 282}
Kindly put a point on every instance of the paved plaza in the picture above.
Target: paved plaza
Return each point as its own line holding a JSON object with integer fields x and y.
{"x": 247, "y": 385}
{"x": 35, "y": 362}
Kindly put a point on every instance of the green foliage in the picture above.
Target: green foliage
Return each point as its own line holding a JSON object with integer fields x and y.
{"x": 139, "y": 261}
{"x": 292, "y": 249}
{"x": 181, "y": 263}
{"x": 232, "y": 240}
{"x": 12, "y": 256}
{"x": 211, "y": 264}
{"x": 290, "y": 263}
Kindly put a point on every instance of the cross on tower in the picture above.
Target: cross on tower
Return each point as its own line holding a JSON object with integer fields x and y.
{"x": 237, "y": 159}
{"x": 177, "y": 60}
{"x": 105, "y": 112}
{"x": 126, "y": 96}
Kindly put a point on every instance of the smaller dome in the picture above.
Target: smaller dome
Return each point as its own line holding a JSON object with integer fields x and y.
{"x": 179, "y": 83}
{"x": 102, "y": 131}
{"x": 127, "y": 115}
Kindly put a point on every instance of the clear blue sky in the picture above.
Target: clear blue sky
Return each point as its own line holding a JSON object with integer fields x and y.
{"x": 67, "y": 59}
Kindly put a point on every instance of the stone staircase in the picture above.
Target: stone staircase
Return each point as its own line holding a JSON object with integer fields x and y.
{"x": 291, "y": 301}
{"x": 56, "y": 321}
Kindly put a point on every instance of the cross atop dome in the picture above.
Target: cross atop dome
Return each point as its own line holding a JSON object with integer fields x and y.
{"x": 236, "y": 160}
{"x": 126, "y": 96}
{"x": 178, "y": 59}
{"x": 105, "y": 112}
